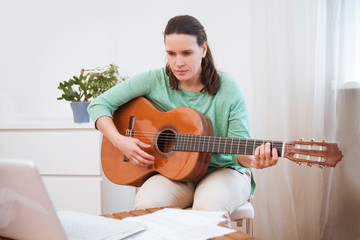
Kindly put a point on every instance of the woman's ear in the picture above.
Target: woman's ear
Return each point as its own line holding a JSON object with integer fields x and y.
{"x": 204, "y": 47}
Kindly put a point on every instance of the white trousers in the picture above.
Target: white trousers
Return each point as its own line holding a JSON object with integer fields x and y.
{"x": 222, "y": 190}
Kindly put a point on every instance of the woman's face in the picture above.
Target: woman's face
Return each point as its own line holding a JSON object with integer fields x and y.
{"x": 184, "y": 57}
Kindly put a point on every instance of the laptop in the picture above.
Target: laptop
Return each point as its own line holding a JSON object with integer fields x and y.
{"x": 26, "y": 211}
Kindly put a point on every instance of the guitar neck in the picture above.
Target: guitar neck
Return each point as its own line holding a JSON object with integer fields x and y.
{"x": 199, "y": 143}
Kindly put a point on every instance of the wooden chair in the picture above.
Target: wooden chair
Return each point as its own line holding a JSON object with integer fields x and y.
{"x": 244, "y": 212}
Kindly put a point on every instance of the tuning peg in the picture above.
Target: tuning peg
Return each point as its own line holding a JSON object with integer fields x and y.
{"x": 320, "y": 166}
{"x": 309, "y": 164}
{"x": 312, "y": 140}
{"x": 323, "y": 140}
{"x": 301, "y": 139}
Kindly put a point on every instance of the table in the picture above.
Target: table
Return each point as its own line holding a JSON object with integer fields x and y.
{"x": 120, "y": 215}
{"x": 235, "y": 235}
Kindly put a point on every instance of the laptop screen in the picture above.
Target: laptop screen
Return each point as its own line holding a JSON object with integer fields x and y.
{"x": 26, "y": 211}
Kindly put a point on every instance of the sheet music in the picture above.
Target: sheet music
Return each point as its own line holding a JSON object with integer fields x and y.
{"x": 174, "y": 224}
{"x": 83, "y": 226}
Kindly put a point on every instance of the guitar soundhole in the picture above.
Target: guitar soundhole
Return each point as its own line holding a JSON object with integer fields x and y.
{"x": 165, "y": 141}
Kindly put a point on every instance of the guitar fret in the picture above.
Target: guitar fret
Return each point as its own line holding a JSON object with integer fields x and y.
{"x": 195, "y": 145}
{"x": 222, "y": 143}
{"x": 228, "y": 146}
{"x": 192, "y": 143}
{"x": 250, "y": 146}
{"x": 181, "y": 141}
{"x": 246, "y": 141}
{"x": 256, "y": 144}
{"x": 212, "y": 141}
{"x": 225, "y": 145}
{"x": 243, "y": 148}
{"x": 218, "y": 144}
{"x": 189, "y": 142}
{"x": 201, "y": 143}
{"x": 201, "y": 140}
{"x": 176, "y": 142}
{"x": 198, "y": 144}
{"x": 207, "y": 149}
{"x": 203, "y": 147}
{"x": 186, "y": 141}
{"x": 237, "y": 150}
{"x": 177, "y": 136}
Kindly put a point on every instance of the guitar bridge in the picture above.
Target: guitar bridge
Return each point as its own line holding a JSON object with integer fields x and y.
{"x": 130, "y": 131}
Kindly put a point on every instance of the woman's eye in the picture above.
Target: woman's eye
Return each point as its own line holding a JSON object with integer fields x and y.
{"x": 171, "y": 54}
{"x": 188, "y": 53}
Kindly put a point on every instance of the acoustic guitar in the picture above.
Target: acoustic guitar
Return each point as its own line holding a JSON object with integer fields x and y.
{"x": 182, "y": 142}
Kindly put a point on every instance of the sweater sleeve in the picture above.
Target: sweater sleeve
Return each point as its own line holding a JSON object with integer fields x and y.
{"x": 108, "y": 102}
{"x": 239, "y": 117}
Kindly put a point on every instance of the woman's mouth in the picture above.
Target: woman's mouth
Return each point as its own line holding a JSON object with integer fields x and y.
{"x": 180, "y": 72}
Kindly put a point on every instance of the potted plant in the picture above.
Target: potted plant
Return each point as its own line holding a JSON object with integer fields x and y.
{"x": 79, "y": 90}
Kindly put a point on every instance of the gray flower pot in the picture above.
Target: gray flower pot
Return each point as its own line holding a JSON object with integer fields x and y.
{"x": 80, "y": 112}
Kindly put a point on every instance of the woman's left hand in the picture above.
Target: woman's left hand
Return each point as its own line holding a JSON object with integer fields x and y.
{"x": 265, "y": 157}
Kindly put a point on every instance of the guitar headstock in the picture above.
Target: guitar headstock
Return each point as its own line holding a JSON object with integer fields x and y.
{"x": 313, "y": 153}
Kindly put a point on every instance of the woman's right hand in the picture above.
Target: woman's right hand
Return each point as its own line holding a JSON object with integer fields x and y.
{"x": 132, "y": 148}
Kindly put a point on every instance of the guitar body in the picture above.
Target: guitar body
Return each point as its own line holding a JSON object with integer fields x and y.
{"x": 182, "y": 142}
{"x": 150, "y": 125}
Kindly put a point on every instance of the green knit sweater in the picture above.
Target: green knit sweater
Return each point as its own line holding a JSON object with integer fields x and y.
{"x": 227, "y": 110}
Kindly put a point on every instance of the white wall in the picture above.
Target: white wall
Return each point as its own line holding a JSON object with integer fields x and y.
{"x": 45, "y": 42}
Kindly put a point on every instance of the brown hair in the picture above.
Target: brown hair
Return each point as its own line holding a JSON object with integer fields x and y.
{"x": 186, "y": 24}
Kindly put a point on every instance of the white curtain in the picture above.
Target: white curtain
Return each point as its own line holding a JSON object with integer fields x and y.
{"x": 303, "y": 58}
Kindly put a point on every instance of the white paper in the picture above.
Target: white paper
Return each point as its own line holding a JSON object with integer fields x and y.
{"x": 79, "y": 225}
{"x": 175, "y": 224}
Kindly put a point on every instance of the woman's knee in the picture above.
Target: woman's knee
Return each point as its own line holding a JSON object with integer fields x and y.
{"x": 158, "y": 191}
{"x": 222, "y": 190}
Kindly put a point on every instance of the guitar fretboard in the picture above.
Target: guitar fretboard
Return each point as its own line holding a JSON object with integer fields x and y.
{"x": 199, "y": 143}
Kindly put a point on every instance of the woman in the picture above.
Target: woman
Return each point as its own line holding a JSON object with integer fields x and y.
{"x": 189, "y": 79}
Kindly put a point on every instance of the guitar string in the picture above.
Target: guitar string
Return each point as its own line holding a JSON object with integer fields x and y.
{"x": 210, "y": 140}
{"x": 222, "y": 145}
{"x": 214, "y": 139}
{"x": 153, "y": 134}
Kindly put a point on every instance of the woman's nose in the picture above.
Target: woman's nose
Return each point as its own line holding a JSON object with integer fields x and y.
{"x": 179, "y": 61}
